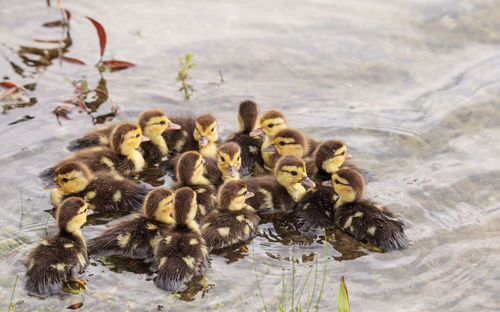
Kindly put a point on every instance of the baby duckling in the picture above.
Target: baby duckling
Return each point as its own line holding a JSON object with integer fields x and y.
{"x": 233, "y": 221}
{"x": 135, "y": 237}
{"x": 104, "y": 192}
{"x": 279, "y": 193}
{"x": 190, "y": 172}
{"x": 181, "y": 252}
{"x": 271, "y": 122}
{"x": 316, "y": 207}
{"x": 201, "y": 134}
{"x": 287, "y": 142}
{"x": 60, "y": 257}
{"x": 251, "y": 159}
{"x": 123, "y": 157}
{"x": 364, "y": 219}
{"x": 152, "y": 121}
{"x": 226, "y": 167}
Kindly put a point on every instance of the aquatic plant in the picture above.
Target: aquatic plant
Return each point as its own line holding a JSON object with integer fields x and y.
{"x": 183, "y": 75}
{"x": 11, "y": 305}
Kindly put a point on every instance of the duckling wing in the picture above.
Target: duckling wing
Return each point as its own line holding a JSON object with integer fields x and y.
{"x": 53, "y": 262}
{"x": 179, "y": 141}
{"x": 270, "y": 196}
{"x": 250, "y": 152}
{"x": 98, "y": 137}
{"x": 212, "y": 172}
{"x": 179, "y": 256}
{"x": 130, "y": 238}
{"x": 315, "y": 209}
{"x": 370, "y": 222}
{"x": 151, "y": 152}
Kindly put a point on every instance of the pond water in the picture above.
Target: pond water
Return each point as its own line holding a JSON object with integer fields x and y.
{"x": 412, "y": 87}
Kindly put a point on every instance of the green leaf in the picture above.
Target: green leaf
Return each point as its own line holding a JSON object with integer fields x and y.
{"x": 280, "y": 308}
{"x": 85, "y": 85}
{"x": 343, "y": 297}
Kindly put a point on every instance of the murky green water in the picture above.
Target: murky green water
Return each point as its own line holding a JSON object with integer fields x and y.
{"x": 413, "y": 88}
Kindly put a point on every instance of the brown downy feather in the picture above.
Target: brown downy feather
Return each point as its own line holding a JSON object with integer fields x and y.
{"x": 60, "y": 257}
{"x": 181, "y": 253}
{"x": 181, "y": 141}
{"x": 97, "y": 137}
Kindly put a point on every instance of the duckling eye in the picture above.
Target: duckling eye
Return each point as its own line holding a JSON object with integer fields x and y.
{"x": 282, "y": 143}
{"x": 212, "y": 129}
{"x": 137, "y": 135}
{"x": 270, "y": 125}
{"x": 239, "y": 158}
{"x": 341, "y": 154}
{"x": 337, "y": 181}
{"x": 65, "y": 179}
{"x": 223, "y": 159}
{"x": 294, "y": 173}
{"x": 163, "y": 122}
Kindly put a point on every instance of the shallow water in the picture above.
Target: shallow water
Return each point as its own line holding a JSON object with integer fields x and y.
{"x": 412, "y": 87}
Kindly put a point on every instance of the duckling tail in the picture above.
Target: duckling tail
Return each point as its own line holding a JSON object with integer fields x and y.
{"x": 47, "y": 175}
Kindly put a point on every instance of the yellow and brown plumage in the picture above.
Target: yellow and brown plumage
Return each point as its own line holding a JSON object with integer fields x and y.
{"x": 122, "y": 158}
{"x": 251, "y": 159}
{"x": 134, "y": 237}
{"x": 181, "y": 252}
{"x": 190, "y": 172}
{"x": 226, "y": 166}
{"x": 104, "y": 192}
{"x": 60, "y": 257}
{"x": 364, "y": 219}
{"x": 234, "y": 221}
{"x": 281, "y": 191}
{"x": 288, "y": 142}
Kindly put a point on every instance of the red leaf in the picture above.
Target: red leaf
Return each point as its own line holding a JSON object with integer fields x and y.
{"x": 8, "y": 84}
{"x": 68, "y": 15}
{"x": 114, "y": 64}
{"x": 75, "y": 306}
{"x": 100, "y": 32}
{"x": 72, "y": 60}
{"x": 53, "y": 24}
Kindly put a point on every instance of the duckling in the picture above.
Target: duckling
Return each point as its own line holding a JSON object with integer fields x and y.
{"x": 364, "y": 219}
{"x": 270, "y": 123}
{"x": 190, "y": 172}
{"x": 135, "y": 237}
{"x": 227, "y": 165}
{"x": 251, "y": 159}
{"x": 152, "y": 121}
{"x": 181, "y": 252}
{"x": 287, "y": 142}
{"x": 123, "y": 157}
{"x": 199, "y": 134}
{"x": 281, "y": 191}
{"x": 233, "y": 221}
{"x": 103, "y": 191}
{"x": 62, "y": 256}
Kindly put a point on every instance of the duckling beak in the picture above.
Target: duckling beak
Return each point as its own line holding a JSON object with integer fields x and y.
{"x": 327, "y": 183}
{"x": 270, "y": 148}
{"x": 231, "y": 170}
{"x": 349, "y": 156}
{"x": 256, "y": 132}
{"x": 52, "y": 185}
{"x": 144, "y": 139}
{"x": 249, "y": 195}
{"x": 203, "y": 161}
{"x": 307, "y": 182}
{"x": 174, "y": 126}
{"x": 203, "y": 141}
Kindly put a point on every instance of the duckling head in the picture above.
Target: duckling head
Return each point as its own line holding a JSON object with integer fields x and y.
{"x": 206, "y": 131}
{"x": 158, "y": 205}
{"x": 185, "y": 207}
{"x": 190, "y": 169}
{"x": 330, "y": 155}
{"x": 232, "y": 195}
{"x": 229, "y": 160}
{"x": 348, "y": 184}
{"x": 248, "y": 113}
{"x": 288, "y": 142}
{"x": 291, "y": 173}
{"x": 271, "y": 122}
{"x": 153, "y": 123}
{"x": 71, "y": 214}
{"x": 72, "y": 177}
{"x": 126, "y": 138}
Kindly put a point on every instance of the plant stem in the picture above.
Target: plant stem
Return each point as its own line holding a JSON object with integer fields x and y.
{"x": 314, "y": 285}
{"x": 11, "y": 305}
{"x": 256, "y": 277}
{"x": 325, "y": 250}
{"x": 307, "y": 281}
{"x": 283, "y": 293}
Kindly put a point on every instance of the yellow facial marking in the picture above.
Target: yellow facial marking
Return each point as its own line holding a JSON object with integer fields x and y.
{"x": 77, "y": 221}
{"x": 71, "y": 182}
{"x": 288, "y": 146}
{"x": 225, "y": 161}
{"x": 223, "y": 231}
{"x": 117, "y": 196}
{"x": 371, "y": 230}
{"x": 239, "y": 201}
{"x": 164, "y": 210}
{"x": 123, "y": 240}
{"x": 272, "y": 126}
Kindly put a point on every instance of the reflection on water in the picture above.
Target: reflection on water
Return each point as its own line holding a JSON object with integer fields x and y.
{"x": 411, "y": 87}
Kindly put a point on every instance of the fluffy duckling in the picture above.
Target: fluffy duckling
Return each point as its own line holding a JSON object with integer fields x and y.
{"x": 181, "y": 252}
{"x": 281, "y": 191}
{"x": 364, "y": 219}
{"x": 60, "y": 257}
{"x": 227, "y": 165}
{"x": 135, "y": 237}
{"x": 190, "y": 172}
{"x": 104, "y": 192}
{"x": 251, "y": 159}
{"x": 287, "y": 142}
{"x": 123, "y": 157}
{"x": 270, "y": 123}
{"x": 315, "y": 208}
{"x": 199, "y": 134}
{"x": 152, "y": 121}
{"x": 233, "y": 221}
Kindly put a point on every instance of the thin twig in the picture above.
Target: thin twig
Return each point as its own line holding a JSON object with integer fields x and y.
{"x": 11, "y": 305}
{"x": 256, "y": 277}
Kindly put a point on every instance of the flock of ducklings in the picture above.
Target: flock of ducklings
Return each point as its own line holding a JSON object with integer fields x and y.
{"x": 221, "y": 188}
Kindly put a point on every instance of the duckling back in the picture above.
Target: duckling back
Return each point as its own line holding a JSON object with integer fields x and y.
{"x": 270, "y": 196}
{"x": 97, "y": 137}
{"x": 181, "y": 141}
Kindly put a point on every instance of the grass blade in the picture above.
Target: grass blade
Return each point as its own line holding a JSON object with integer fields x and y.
{"x": 343, "y": 297}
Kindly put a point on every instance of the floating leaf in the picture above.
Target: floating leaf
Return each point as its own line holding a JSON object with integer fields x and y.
{"x": 75, "y": 306}
{"x": 25, "y": 118}
{"x": 68, "y": 15}
{"x": 72, "y": 60}
{"x": 61, "y": 111}
{"x": 343, "y": 297}
{"x": 7, "y": 84}
{"x": 53, "y": 24}
{"x": 100, "y": 32}
{"x": 117, "y": 65}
